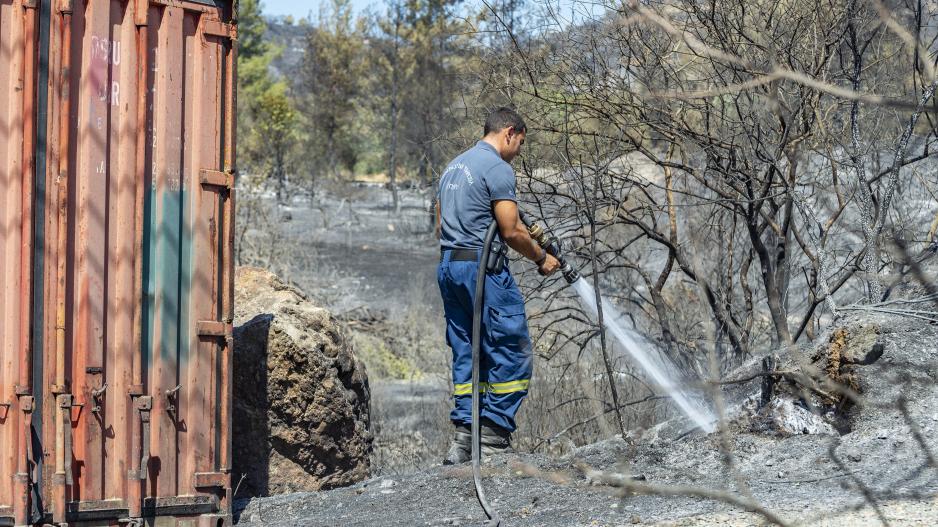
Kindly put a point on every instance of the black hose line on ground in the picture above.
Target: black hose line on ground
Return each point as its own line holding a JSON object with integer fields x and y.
{"x": 552, "y": 246}
{"x": 494, "y": 519}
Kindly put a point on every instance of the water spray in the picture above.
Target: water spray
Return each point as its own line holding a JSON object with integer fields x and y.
{"x": 657, "y": 366}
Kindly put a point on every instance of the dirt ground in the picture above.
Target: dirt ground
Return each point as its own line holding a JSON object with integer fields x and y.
{"x": 814, "y": 479}
{"x": 363, "y": 256}
{"x": 807, "y": 492}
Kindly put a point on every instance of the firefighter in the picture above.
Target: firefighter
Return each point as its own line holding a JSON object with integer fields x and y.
{"x": 476, "y": 188}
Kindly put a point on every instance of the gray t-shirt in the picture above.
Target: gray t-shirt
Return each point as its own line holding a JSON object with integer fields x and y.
{"x": 468, "y": 186}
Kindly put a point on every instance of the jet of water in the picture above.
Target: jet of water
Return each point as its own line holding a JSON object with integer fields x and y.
{"x": 656, "y": 365}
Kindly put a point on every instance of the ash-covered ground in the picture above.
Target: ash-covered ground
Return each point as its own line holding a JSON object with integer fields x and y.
{"x": 881, "y": 471}
{"x": 375, "y": 270}
{"x": 352, "y": 252}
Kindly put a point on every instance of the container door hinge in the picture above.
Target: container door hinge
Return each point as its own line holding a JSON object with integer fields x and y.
{"x": 143, "y": 405}
{"x": 66, "y": 403}
{"x": 216, "y": 178}
{"x": 213, "y": 328}
{"x": 217, "y": 28}
{"x": 23, "y": 396}
{"x": 211, "y": 479}
{"x": 27, "y": 403}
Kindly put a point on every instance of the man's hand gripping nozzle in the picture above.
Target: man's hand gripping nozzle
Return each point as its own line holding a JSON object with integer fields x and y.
{"x": 552, "y": 246}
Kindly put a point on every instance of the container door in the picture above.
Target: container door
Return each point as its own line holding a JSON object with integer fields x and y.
{"x": 136, "y": 327}
{"x": 188, "y": 326}
{"x": 90, "y": 258}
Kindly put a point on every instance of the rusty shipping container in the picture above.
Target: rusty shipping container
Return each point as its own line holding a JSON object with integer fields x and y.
{"x": 117, "y": 137}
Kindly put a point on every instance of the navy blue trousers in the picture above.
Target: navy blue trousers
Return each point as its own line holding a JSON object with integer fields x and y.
{"x": 506, "y": 355}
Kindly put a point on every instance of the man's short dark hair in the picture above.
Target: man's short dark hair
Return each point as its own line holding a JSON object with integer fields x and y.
{"x": 503, "y": 118}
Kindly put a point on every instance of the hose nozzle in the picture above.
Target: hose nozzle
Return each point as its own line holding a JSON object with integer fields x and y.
{"x": 569, "y": 273}
{"x": 552, "y": 246}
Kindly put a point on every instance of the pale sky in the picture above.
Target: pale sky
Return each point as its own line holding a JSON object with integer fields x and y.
{"x": 303, "y": 8}
{"x": 310, "y": 8}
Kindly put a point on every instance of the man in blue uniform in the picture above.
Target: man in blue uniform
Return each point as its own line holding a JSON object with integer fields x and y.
{"x": 476, "y": 188}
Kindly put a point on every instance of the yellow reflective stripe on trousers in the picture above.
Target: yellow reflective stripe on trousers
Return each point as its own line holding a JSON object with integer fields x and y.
{"x": 466, "y": 388}
{"x": 494, "y": 387}
{"x": 510, "y": 386}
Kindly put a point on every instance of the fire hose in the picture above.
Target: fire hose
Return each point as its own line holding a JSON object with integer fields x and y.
{"x": 552, "y": 247}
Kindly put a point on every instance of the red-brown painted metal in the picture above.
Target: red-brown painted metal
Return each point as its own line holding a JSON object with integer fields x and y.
{"x": 17, "y": 105}
{"x": 133, "y": 279}
{"x": 22, "y": 389}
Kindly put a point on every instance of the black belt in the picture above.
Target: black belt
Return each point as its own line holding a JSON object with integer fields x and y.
{"x": 461, "y": 255}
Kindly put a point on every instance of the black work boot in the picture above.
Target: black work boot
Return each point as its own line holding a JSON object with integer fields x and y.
{"x": 460, "y": 449}
{"x": 494, "y": 439}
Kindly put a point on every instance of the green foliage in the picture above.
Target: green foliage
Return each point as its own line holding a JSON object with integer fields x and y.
{"x": 267, "y": 120}
{"x": 378, "y": 93}
{"x": 251, "y": 28}
{"x": 276, "y": 116}
{"x": 416, "y": 56}
{"x": 328, "y": 87}
{"x": 381, "y": 361}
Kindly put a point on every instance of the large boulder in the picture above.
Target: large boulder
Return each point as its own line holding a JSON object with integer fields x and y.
{"x": 301, "y": 399}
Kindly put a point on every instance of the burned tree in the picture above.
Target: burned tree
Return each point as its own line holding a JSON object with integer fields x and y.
{"x": 747, "y": 160}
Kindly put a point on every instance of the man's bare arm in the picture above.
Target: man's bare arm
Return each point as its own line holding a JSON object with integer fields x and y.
{"x": 514, "y": 233}
{"x": 439, "y": 221}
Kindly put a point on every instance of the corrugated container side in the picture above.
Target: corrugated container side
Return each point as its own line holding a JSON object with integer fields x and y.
{"x": 137, "y": 264}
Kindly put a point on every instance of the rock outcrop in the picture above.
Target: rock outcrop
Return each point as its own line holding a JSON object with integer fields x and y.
{"x": 301, "y": 399}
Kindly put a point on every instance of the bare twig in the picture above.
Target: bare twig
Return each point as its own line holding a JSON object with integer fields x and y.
{"x": 630, "y": 486}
